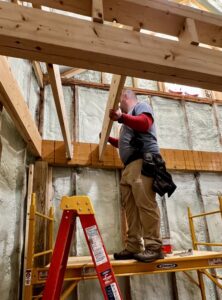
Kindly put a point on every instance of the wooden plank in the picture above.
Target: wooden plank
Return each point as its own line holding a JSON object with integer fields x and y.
{"x": 56, "y": 85}
{"x": 188, "y": 33}
{"x": 48, "y": 152}
{"x": 38, "y": 73}
{"x": 114, "y": 98}
{"x": 40, "y": 187}
{"x": 28, "y": 203}
{"x": 13, "y": 101}
{"x": 97, "y": 11}
{"x": 70, "y": 73}
{"x": 74, "y": 37}
{"x": 158, "y": 16}
{"x": 172, "y": 96}
{"x": 87, "y": 155}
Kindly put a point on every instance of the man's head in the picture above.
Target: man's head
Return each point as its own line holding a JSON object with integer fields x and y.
{"x": 128, "y": 100}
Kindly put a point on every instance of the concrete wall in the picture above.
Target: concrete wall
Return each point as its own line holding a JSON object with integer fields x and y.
{"x": 13, "y": 184}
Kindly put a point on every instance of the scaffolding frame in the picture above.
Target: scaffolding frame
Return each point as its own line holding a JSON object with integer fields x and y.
{"x": 213, "y": 277}
{"x": 82, "y": 268}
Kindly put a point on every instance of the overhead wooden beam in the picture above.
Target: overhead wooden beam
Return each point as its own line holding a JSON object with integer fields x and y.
{"x": 70, "y": 73}
{"x": 158, "y": 16}
{"x": 13, "y": 101}
{"x": 189, "y": 33}
{"x": 80, "y": 43}
{"x": 56, "y": 85}
{"x": 114, "y": 98}
{"x": 38, "y": 73}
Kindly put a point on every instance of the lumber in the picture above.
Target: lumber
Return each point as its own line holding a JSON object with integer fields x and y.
{"x": 40, "y": 188}
{"x": 102, "y": 47}
{"x": 14, "y": 102}
{"x": 189, "y": 33}
{"x": 157, "y": 16}
{"x": 56, "y": 85}
{"x": 115, "y": 91}
{"x": 142, "y": 91}
{"x": 87, "y": 155}
{"x": 97, "y": 11}
{"x": 38, "y": 73}
{"x": 70, "y": 73}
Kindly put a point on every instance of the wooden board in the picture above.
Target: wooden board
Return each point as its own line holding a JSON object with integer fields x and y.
{"x": 115, "y": 91}
{"x": 158, "y": 16}
{"x": 56, "y": 85}
{"x": 86, "y": 154}
{"x": 101, "y": 47}
{"x": 14, "y": 102}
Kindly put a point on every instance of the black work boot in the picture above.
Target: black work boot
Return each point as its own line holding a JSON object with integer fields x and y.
{"x": 149, "y": 255}
{"x": 124, "y": 254}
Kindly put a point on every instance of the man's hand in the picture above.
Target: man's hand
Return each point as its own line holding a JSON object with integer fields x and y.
{"x": 115, "y": 115}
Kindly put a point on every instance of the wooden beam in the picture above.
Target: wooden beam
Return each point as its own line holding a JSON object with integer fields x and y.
{"x": 189, "y": 33}
{"x": 97, "y": 11}
{"x": 70, "y": 73}
{"x": 87, "y": 155}
{"x": 13, "y": 101}
{"x": 158, "y": 16}
{"x": 114, "y": 98}
{"x": 140, "y": 91}
{"x": 102, "y": 47}
{"x": 38, "y": 73}
{"x": 56, "y": 84}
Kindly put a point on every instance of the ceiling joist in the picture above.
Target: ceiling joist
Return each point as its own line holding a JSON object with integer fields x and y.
{"x": 159, "y": 16}
{"x": 14, "y": 103}
{"x": 84, "y": 44}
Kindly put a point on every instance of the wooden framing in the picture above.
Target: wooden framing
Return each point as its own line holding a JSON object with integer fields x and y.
{"x": 82, "y": 44}
{"x": 97, "y": 11}
{"x": 140, "y": 91}
{"x": 114, "y": 98}
{"x": 70, "y": 73}
{"x": 14, "y": 103}
{"x": 189, "y": 33}
{"x": 158, "y": 16}
{"x": 38, "y": 73}
{"x": 55, "y": 80}
{"x": 87, "y": 155}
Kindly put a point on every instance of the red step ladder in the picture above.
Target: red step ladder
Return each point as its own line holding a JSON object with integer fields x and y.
{"x": 80, "y": 206}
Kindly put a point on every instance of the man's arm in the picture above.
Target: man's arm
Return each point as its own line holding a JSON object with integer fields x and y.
{"x": 139, "y": 123}
{"x": 113, "y": 141}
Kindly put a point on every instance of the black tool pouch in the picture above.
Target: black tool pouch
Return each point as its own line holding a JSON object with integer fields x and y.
{"x": 148, "y": 166}
{"x": 163, "y": 182}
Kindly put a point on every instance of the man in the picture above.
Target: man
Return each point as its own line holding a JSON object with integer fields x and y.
{"x": 137, "y": 136}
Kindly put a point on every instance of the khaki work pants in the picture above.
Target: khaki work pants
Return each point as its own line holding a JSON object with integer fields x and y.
{"x": 142, "y": 211}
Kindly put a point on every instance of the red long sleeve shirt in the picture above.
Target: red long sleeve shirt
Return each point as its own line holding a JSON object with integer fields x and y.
{"x": 139, "y": 123}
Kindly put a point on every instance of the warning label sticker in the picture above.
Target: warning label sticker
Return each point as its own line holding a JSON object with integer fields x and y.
{"x": 96, "y": 245}
{"x": 107, "y": 277}
{"x": 28, "y": 277}
{"x": 112, "y": 292}
{"x": 215, "y": 261}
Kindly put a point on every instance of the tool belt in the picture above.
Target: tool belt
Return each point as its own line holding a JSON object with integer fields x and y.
{"x": 154, "y": 166}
